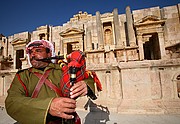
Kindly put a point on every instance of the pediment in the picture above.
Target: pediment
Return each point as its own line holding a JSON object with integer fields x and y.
{"x": 71, "y": 31}
{"x": 150, "y": 19}
{"x": 18, "y": 41}
{"x": 105, "y": 15}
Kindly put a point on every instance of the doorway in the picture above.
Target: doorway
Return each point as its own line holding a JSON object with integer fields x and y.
{"x": 19, "y": 54}
{"x": 69, "y": 48}
{"x": 151, "y": 48}
{"x": 73, "y": 46}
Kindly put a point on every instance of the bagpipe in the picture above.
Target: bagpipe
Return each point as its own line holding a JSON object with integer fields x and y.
{"x": 74, "y": 70}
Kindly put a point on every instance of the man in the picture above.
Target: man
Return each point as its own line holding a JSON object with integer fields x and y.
{"x": 36, "y": 100}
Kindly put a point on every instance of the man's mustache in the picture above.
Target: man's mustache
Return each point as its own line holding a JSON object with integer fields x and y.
{"x": 33, "y": 58}
{"x": 42, "y": 59}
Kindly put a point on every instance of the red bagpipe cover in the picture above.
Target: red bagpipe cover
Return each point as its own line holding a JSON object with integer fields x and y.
{"x": 76, "y": 59}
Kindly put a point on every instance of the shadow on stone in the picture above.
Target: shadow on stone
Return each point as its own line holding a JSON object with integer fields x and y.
{"x": 98, "y": 114}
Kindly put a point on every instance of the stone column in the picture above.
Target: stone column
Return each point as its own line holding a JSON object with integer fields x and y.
{"x": 65, "y": 48}
{"x": 178, "y": 6}
{"x": 99, "y": 31}
{"x": 117, "y": 32}
{"x": 80, "y": 45}
{"x": 1, "y": 42}
{"x": 130, "y": 29}
{"x": 125, "y": 55}
{"x": 88, "y": 40}
{"x": 1, "y": 85}
{"x": 61, "y": 48}
{"x": 50, "y": 33}
{"x": 114, "y": 39}
{"x": 14, "y": 58}
{"x": 140, "y": 44}
{"x": 4, "y": 85}
{"x": 161, "y": 45}
{"x": 6, "y": 48}
{"x": 175, "y": 86}
{"x": 47, "y": 36}
{"x": 108, "y": 83}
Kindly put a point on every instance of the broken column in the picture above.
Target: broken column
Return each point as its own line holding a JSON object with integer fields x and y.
{"x": 118, "y": 41}
{"x": 99, "y": 31}
{"x": 88, "y": 39}
{"x": 130, "y": 29}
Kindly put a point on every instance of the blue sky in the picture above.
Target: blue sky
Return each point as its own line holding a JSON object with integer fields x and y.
{"x": 26, "y": 15}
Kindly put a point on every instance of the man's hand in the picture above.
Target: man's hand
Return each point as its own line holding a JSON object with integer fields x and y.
{"x": 78, "y": 89}
{"x": 62, "y": 107}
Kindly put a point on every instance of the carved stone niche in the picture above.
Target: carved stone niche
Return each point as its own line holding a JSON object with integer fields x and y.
{"x": 19, "y": 47}
{"x": 6, "y": 63}
{"x": 43, "y": 32}
{"x": 72, "y": 39}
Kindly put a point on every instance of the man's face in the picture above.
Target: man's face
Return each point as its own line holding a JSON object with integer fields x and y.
{"x": 38, "y": 53}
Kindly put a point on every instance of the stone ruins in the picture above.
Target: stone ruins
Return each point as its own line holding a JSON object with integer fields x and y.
{"x": 136, "y": 56}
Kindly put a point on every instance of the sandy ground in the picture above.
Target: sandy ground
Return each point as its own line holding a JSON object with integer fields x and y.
{"x": 109, "y": 118}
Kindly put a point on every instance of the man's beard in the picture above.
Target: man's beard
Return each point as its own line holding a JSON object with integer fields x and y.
{"x": 38, "y": 64}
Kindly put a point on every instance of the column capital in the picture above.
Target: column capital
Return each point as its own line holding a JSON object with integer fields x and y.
{"x": 160, "y": 34}
{"x": 139, "y": 34}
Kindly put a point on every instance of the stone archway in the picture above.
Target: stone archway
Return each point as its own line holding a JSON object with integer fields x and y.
{"x": 108, "y": 37}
